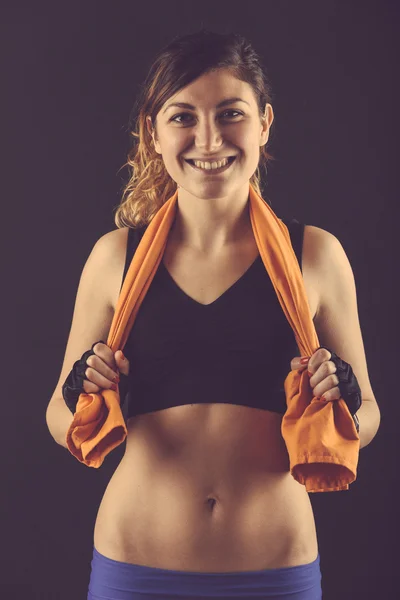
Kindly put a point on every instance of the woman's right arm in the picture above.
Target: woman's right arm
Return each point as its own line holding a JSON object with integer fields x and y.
{"x": 91, "y": 321}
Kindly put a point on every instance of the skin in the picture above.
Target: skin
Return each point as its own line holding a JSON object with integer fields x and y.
{"x": 212, "y": 210}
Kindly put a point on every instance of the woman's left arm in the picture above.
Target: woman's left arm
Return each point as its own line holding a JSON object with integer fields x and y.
{"x": 338, "y": 328}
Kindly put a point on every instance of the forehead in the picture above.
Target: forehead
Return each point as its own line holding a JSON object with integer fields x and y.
{"x": 211, "y": 88}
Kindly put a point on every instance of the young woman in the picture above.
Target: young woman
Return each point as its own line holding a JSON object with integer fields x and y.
{"x": 203, "y": 503}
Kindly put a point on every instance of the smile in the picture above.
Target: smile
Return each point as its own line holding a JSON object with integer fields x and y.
{"x": 212, "y": 171}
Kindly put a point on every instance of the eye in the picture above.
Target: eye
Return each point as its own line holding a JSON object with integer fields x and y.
{"x": 189, "y": 114}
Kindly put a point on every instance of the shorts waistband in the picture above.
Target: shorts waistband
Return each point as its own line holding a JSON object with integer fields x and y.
{"x": 301, "y": 582}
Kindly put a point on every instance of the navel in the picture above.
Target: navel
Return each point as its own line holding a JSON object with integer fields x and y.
{"x": 211, "y": 503}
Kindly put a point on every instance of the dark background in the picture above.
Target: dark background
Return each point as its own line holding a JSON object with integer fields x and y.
{"x": 70, "y": 76}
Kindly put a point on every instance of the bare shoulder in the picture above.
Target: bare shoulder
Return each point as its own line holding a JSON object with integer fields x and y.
{"x": 317, "y": 244}
{"x": 115, "y": 242}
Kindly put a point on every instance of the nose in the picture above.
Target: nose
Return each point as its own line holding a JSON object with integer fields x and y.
{"x": 208, "y": 136}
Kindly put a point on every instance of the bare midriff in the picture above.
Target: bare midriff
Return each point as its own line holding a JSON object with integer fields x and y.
{"x": 206, "y": 488}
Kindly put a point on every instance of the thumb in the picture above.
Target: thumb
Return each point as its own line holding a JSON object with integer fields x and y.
{"x": 122, "y": 362}
{"x": 296, "y": 363}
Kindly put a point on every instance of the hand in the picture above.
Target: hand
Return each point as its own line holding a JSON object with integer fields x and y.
{"x": 103, "y": 368}
{"x": 323, "y": 379}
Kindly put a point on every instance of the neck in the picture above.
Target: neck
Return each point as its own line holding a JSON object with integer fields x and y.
{"x": 209, "y": 225}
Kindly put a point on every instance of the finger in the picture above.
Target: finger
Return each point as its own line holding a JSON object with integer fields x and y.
{"x": 322, "y": 371}
{"x": 332, "y": 394}
{"x": 96, "y": 365}
{"x": 327, "y": 385}
{"x": 106, "y": 355}
{"x": 95, "y": 377}
{"x": 318, "y": 358}
{"x": 295, "y": 363}
{"x": 122, "y": 362}
{"x": 89, "y": 387}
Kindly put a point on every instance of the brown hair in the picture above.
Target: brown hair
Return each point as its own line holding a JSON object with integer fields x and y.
{"x": 182, "y": 61}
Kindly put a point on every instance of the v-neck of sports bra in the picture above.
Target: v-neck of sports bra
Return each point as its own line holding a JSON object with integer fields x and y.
{"x": 221, "y": 297}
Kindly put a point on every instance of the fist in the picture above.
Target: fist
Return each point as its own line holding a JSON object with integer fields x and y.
{"x": 322, "y": 373}
{"x": 103, "y": 369}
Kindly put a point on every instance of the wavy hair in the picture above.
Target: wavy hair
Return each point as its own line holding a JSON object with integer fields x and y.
{"x": 182, "y": 61}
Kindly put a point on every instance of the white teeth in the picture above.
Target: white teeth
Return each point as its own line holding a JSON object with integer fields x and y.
{"x": 213, "y": 165}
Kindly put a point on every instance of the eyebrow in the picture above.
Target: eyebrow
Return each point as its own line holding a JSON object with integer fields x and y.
{"x": 186, "y": 105}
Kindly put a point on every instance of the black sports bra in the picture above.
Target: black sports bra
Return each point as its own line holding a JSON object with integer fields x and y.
{"x": 236, "y": 350}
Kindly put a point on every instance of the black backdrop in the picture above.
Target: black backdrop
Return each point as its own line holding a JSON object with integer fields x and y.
{"x": 69, "y": 78}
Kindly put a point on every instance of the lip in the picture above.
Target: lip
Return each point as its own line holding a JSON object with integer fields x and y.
{"x": 212, "y": 171}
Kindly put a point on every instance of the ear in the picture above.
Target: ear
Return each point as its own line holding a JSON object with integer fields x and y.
{"x": 266, "y": 123}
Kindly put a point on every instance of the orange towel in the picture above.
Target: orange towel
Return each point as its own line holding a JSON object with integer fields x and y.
{"x": 321, "y": 438}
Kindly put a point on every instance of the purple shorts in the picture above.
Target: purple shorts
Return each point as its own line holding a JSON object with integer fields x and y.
{"x": 114, "y": 580}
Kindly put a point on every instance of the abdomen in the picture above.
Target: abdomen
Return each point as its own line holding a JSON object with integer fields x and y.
{"x": 206, "y": 488}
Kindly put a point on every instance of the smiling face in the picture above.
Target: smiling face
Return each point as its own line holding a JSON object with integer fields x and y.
{"x": 212, "y": 131}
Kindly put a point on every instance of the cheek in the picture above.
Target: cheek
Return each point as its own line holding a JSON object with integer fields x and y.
{"x": 174, "y": 151}
{"x": 171, "y": 155}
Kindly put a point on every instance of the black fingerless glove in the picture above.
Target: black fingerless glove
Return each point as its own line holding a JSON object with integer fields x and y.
{"x": 73, "y": 385}
{"x": 350, "y": 391}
